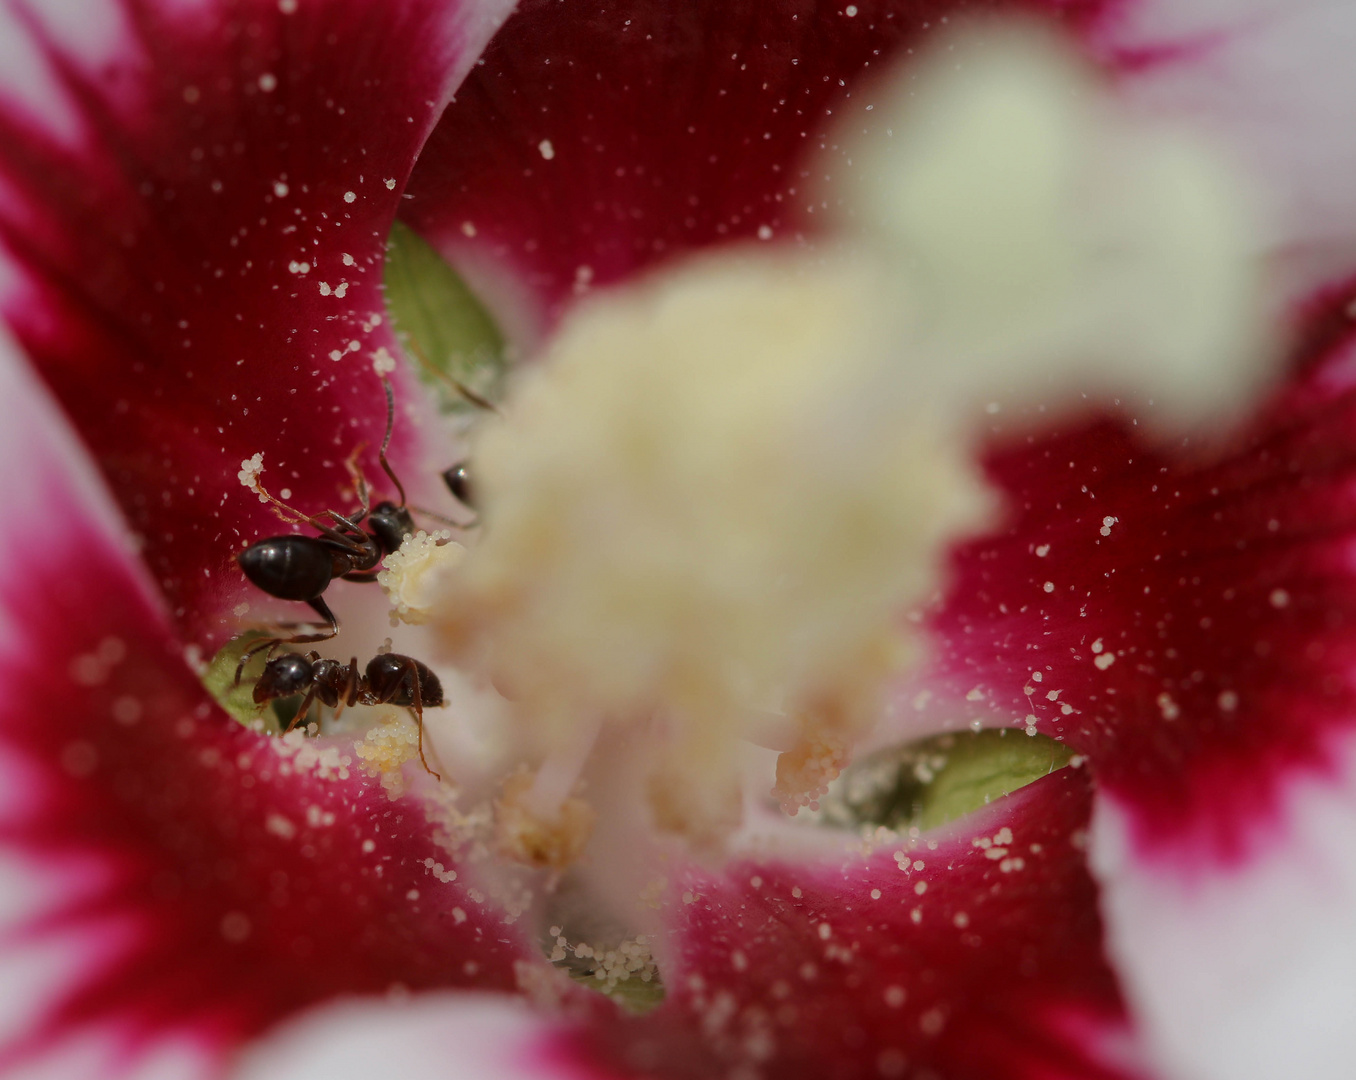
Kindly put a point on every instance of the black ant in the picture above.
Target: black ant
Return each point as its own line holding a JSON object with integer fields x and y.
{"x": 297, "y": 567}
{"x": 390, "y": 679}
{"x": 458, "y": 481}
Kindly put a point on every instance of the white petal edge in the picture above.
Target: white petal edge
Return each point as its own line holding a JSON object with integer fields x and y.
{"x": 1246, "y": 971}
{"x": 1274, "y": 80}
{"x": 50, "y": 479}
{"x": 47, "y": 467}
{"x": 426, "y": 1037}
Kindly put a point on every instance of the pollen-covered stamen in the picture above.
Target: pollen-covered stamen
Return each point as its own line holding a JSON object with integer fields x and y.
{"x": 724, "y": 485}
{"x": 413, "y": 577}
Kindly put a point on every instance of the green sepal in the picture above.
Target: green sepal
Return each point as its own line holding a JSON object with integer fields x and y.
{"x": 939, "y": 779}
{"x": 446, "y": 330}
{"x": 238, "y": 699}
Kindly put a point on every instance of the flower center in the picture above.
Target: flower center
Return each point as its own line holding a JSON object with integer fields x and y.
{"x": 707, "y": 512}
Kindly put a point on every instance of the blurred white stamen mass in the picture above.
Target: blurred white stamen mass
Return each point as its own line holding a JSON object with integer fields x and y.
{"x": 725, "y": 484}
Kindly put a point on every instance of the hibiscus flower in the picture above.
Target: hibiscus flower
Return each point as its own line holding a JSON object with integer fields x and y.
{"x": 195, "y": 205}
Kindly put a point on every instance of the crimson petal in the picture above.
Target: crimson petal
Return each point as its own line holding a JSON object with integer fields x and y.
{"x": 195, "y": 205}
{"x": 583, "y": 149}
{"x": 196, "y": 881}
{"x": 977, "y": 956}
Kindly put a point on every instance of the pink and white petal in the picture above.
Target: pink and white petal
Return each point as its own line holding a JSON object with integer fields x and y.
{"x": 1242, "y": 971}
{"x": 194, "y": 205}
{"x": 1273, "y": 79}
{"x": 974, "y": 954}
{"x": 1186, "y": 620}
{"x": 170, "y": 882}
{"x": 583, "y": 150}
{"x": 431, "y": 1037}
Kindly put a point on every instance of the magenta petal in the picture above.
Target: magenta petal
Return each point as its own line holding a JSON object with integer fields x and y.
{"x": 195, "y": 881}
{"x": 195, "y": 205}
{"x": 968, "y": 964}
{"x": 1184, "y": 618}
{"x": 582, "y": 150}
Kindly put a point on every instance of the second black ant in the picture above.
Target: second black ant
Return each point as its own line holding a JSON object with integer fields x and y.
{"x": 299, "y": 567}
{"x": 389, "y": 679}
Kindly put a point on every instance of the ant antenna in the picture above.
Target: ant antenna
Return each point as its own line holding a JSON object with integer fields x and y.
{"x": 385, "y": 442}
{"x": 456, "y": 384}
{"x": 360, "y": 488}
{"x": 441, "y": 519}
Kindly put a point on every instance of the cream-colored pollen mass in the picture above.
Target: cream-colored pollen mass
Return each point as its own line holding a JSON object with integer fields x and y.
{"x": 725, "y": 485}
{"x": 715, "y": 490}
{"x": 1061, "y": 245}
{"x": 413, "y": 577}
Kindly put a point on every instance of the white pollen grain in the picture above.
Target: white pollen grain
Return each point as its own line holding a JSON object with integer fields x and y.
{"x": 1279, "y": 598}
{"x": 546, "y": 149}
{"x": 350, "y": 196}
{"x": 268, "y": 82}
{"x": 1104, "y": 661}
{"x": 280, "y": 189}
{"x": 1049, "y": 586}
{"x": 764, "y": 232}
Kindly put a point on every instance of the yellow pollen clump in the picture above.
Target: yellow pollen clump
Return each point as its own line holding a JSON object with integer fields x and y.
{"x": 414, "y": 575}
{"x": 524, "y": 834}
{"x": 386, "y": 747}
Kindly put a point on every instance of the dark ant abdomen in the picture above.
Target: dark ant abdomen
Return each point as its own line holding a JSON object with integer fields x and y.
{"x": 390, "y": 678}
{"x": 292, "y": 567}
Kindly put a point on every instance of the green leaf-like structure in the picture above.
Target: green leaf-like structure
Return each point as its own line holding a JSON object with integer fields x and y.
{"x": 930, "y": 782}
{"x": 238, "y": 699}
{"x": 446, "y": 330}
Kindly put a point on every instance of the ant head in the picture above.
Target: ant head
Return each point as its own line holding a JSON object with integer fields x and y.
{"x": 390, "y": 524}
{"x": 283, "y": 676}
{"x": 458, "y": 481}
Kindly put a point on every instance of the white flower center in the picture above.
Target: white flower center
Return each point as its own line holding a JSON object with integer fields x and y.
{"x": 707, "y": 509}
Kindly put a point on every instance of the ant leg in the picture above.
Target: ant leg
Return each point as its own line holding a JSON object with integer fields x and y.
{"x": 386, "y": 441}
{"x": 271, "y": 644}
{"x": 418, "y": 709}
{"x": 249, "y": 654}
{"x": 300, "y": 716}
{"x": 441, "y": 520}
{"x": 352, "y": 686}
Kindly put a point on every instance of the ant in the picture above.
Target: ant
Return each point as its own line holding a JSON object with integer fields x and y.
{"x": 458, "y": 481}
{"x": 298, "y": 567}
{"x": 390, "y": 679}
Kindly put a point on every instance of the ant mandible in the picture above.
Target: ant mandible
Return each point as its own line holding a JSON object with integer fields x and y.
{"x": 390, "y": 679}
{"x": 298, "y": 567}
